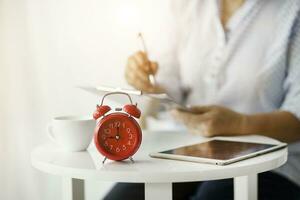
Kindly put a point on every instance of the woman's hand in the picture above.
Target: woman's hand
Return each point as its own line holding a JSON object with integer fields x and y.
{"x": 211, "y": 120}
{"x": 138, "y": 70}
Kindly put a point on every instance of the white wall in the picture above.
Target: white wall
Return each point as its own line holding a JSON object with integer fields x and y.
{"x": 46, "y": 48}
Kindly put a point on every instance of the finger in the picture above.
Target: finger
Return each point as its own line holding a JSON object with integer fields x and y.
{"x": 136, "y": 84}
{"x": 133, "y": 67}
{"x": 134, "y": 79}
{"x": 201, "y": 109}
{"x": 134, "y": 64}
{"x": 142, "y": 61}
{"x": 183, "y": 117}
{"x": 179, "y": 114}
{"x": 190, "y": 117}
{"x": 196, "y": 124}
{"x": 142, "y": 82}
{"x": 176, "y": 115}
{"x": 144, "y": 86}
{"x": 194, "y": 131}
{"x": 199, "y": 125}
{"x": 136, "y": 74}
{"x": 154, "y": 67}
{"x": 201, "y": 128}
{"x": 141, "y": 56}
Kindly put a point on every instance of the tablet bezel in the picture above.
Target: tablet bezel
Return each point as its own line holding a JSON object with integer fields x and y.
{"x": 217, "y": 161}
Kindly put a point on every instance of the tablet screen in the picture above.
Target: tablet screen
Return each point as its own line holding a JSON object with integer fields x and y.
{"x": 219, "y": 149}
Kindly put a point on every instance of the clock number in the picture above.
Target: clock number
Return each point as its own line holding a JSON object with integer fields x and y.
{"x": 106, "y": 143}
{"x": 124, "y": 147}
{"x": 130, "y": 136}
{"x": 111, "y": 147}
{"x": 129, "y": 142}
{"x": 117, "y": 149}
{"x": 111, "y": 125}
{"x": 128, "y": 130}
{"x": 117, "y": 124}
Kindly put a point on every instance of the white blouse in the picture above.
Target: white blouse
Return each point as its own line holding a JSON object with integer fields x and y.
{"x": 252, "y": 66}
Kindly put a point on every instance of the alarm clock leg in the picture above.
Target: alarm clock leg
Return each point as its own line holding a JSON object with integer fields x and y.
{"x": 131, "y": 159}
{"x": 104, "y": 160}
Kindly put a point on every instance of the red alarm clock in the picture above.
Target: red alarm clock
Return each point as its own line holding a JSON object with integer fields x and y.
{"x": 117, "y": 135}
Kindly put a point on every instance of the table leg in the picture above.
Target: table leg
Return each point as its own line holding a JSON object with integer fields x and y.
{"x": 158, "y": 191}
{"x": 245, "y": 187}
{"x": 72, "y": 189}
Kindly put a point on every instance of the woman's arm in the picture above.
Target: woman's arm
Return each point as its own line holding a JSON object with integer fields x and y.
{"x": 281, "y": 125}
{"x": 216, "y": 120}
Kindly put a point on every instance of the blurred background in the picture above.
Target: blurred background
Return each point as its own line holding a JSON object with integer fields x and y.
{"x": 46, "y": 49}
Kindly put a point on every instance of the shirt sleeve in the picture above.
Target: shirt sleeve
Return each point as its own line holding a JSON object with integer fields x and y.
{"x": 291, "y": 100}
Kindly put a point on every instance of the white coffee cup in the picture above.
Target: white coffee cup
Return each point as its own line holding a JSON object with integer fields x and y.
{"x": 72, "y": 133}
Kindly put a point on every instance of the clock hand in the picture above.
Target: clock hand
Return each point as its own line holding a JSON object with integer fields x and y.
{"x": 118, "y": 133}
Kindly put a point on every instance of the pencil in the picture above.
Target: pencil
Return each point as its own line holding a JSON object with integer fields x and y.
{"x": 144, "y": 48}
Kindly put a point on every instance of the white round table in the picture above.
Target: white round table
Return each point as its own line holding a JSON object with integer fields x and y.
{"x": 157, "y": 174}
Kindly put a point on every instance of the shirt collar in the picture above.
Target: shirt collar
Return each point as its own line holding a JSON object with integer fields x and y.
{"x": 239, "y": 16}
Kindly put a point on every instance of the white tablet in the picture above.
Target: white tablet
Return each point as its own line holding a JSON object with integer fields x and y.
{"x": 218, "y": 151}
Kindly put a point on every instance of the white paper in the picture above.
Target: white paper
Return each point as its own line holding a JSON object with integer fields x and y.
{"x": 163, "y": 98}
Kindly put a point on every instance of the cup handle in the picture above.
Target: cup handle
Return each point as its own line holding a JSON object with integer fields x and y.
{"x": 50, "y": 133}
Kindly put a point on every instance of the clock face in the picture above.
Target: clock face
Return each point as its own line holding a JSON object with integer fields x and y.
{"x": 117, "y": 136}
